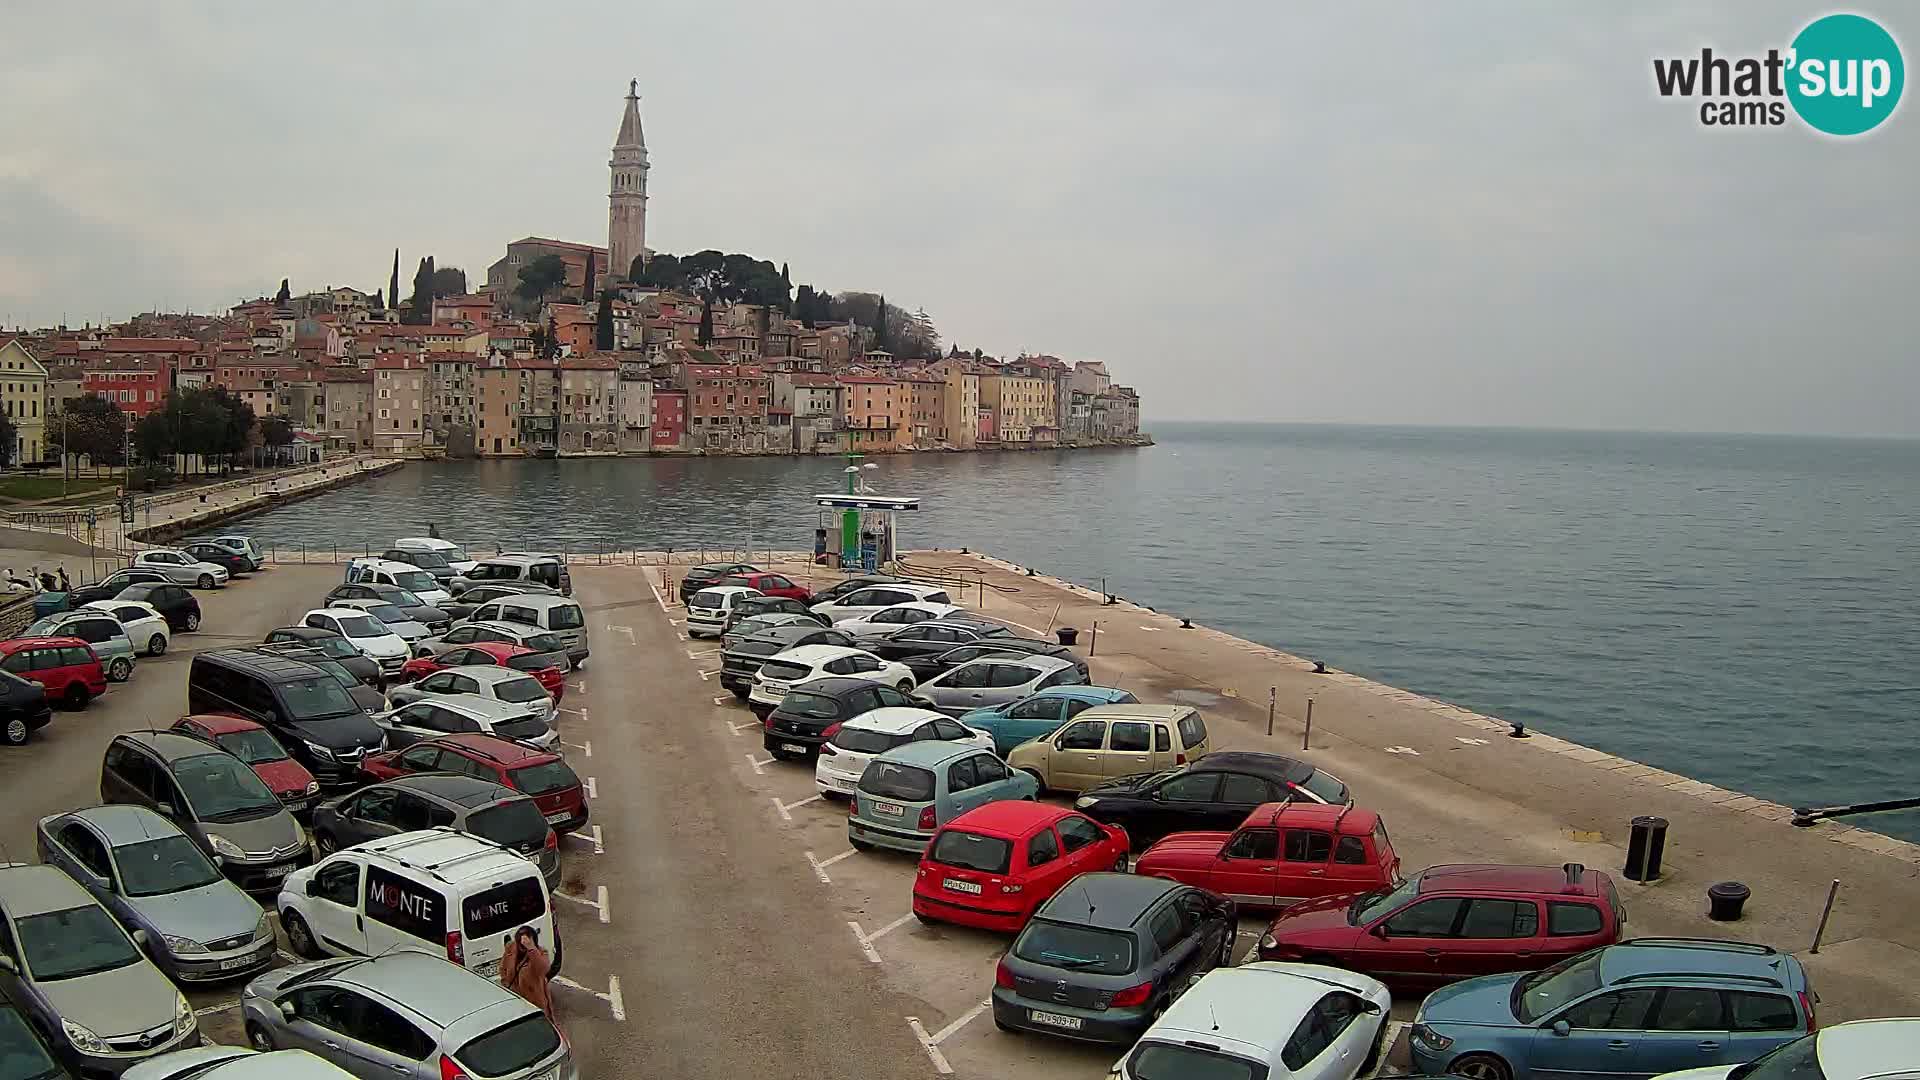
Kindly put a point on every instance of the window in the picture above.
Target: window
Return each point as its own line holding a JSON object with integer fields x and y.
{"x": 1307, "y": 1041}
{"x": 1261, "y": 845}
{"x": 1428, "y": 918}
{"x": 1042, "y": 848}
{"x": 1747, "y": 1011}
{"x": 1084, "y": 735}
{"x": 379, "y": 806}
{"x": 338, "y": 883}
{"x": 1491, "y": 918}
{"x": 86, "y": 848}
{"x": 1350, "y": 851}
{"x": 1077, "y": 832}
{"x": 1130, "y": 736}
{"x": 1166, "y": 927}
{"x": 1305, "y": 845}
{"x": 1689, "y": 1009}
{"x": 1192, "y": 731}
{"x": 1036, "y": 708}
{"x": 378, "y": 1026}
{"x": 1244, "y": 790}
{"x": 960, "y": 775}
{"x": 1008, "y": 675}
{"x": 1194, "y": 787}
{"x": 1619, "y": 1010}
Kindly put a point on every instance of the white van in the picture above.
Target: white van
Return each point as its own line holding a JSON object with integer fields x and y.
{"x": 403, "y": 575}
{"x": 455, "y": 555}
{"x": 556, "y": 614}
{"x": 436, "y": 890}
{"x": 545, "y": 570}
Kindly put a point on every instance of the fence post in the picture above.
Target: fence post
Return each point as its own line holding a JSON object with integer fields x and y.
{"x": 1306, "y": 737}
{"x": 1272, "y": 693}
{"x": 1094, "y": 645}
{"x": 1821, "y": 930}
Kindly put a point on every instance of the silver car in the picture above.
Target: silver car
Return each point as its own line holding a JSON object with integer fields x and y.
{"x": 74, "y": 969}
{"x": 200, "y": 926}
{"x": 404, "y": 1014}
{"x": 234, "y": 1063}
{"x": 996, "y": 680}
{"x": 442, "y": 714}
{"x": 474, "y": 633}
{"x": 182, "y": 568}
{"x": 100, "y": 630}
{"x": 501, "y": 684}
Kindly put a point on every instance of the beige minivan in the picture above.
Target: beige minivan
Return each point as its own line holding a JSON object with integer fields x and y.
{"x": 1109, "y": 741}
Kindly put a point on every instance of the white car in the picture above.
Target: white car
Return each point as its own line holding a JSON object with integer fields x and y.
{"x": 363, "y": 632}
{"x": 182, "y": 568}
{"x": 433, "y": 715}
{"x": 501, "y": 684}
{"x": 861, "y": 603}
{"x": 412, "y": 631}
{"x": 783, "y": 671}
{"x": 1884, "y": 1049}
{"x": 456, "y": 556}
{"x": 1301, "y": 1021}
{"x": 897, "y": 616}
{"x": 857, "y": 741}
{"x": 214, "y": 1062}
{"x": 143, "y": 622}
{"x": 710, "y": 610}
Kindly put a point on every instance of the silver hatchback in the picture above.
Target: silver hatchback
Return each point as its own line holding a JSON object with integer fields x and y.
{"x": 404, "y": 1014}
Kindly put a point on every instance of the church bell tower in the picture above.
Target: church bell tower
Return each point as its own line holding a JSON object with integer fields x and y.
{"x": 627, "y": 191}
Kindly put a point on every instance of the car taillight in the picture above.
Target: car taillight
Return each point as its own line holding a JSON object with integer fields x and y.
{"x": 927, "y": 820}
{"x": 832, "y": 730}
{"x": 1179, "y": 759}
{"x": 1002, "y": 977}
{"x": 1131, "y": 996}
{"x": 767, "y": 722}
{"x": 1806, "y": 1003}
{"x": 456, "y": 949}
{"x": 450, "y": 1071}
{"x": 853, "y": 805}
{"x": 553, "y": 839}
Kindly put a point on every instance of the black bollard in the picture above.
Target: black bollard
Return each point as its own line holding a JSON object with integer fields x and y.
{"x": 1725, "y": 899}
{"x": 1646, "y": 843}
{"x": 1067, "y": 635}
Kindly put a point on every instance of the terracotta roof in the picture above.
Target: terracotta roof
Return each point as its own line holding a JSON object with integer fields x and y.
{"x": 563, "y": 244}
{"x": 391, "y": 362}
{"x": 150, "y": 345}
{"x": 589, "y": 363}
{"x": 868, "y": 380}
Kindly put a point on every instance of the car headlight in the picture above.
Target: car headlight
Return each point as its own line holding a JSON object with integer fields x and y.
{"x": 223, "y": 846}
{"x": 84, "y": 1040}
{"x": 313, "y": 788}
{"x": 1085, "y": 802}
{"x": 182, "y": 1015}
{"x": 318, "y": 750}
{"x": 180, "y": 946}
{"x": 1430, "y": 1038}
{"x": 264, "y": 928}
{"x": 1267, "y": 941}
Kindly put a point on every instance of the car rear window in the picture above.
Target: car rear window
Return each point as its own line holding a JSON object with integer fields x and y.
{"x": 504, "y": 907}
{"x": 519, "y": 1045}
{"x": 708, "y": 598}
{"x": 987, "y": 854}
{"x": 1326, "y": 788}
{"x": 545, "y": 776}
{"x": 1192, "y": 731}
{"x": 520, "y": 691}
{"x": 1076, "y": 948}
{"x": 1167, "y": 1061}
{"x": 515, "y": 823}
{"x": 533, "y": 661}
{"x": 544, "y": 642}
{"x": 891, "y": 780}
{"x": 815, "y": 706}
{"x": 564, "y": 617}
{"x": 785, "y": 670}
{"x": 864, "y": 740}
{"x": 406, "y": 905}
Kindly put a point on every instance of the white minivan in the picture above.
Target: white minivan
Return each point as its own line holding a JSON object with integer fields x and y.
{"x": 558, "y": 615}
{"x": 455, "y": 555}
{"x": 435, "y": 890}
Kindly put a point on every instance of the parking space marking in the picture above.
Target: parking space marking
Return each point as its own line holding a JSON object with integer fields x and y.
{"x": 657, "y": 598}
{"x": 705, "y": 675}
{"x": 1401, "y": 750}
{"x": 738, "y": 726}
{"x": 211, "y": 1009}
{"x": 759, "y": 764}
{"x": 820, "y": 865}
{"x": 675, "y": 622}
{"x": 866, "y": 940}
{"x": 691, "y": 655}
{"x": 606, "y": 914}
{"x": 612, "y": 997}
{"x": 593, "y": 789}
{"x": 591, "y": 836}
{"x": 931, "y": 1043}
{"x": 586, "y": 748}
{"x": 720, "y": 700}
{"x": 1468, "y": 741}
{"x": 627, "y": 630}
{"x": 787, "y": 808}
{"x": 681, "y": 636}
{"x": 581, "y": 713}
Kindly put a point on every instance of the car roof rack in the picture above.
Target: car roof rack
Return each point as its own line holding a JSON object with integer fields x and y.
{"x": 1703, "y": 976}
{"x": 1704, "y": 943}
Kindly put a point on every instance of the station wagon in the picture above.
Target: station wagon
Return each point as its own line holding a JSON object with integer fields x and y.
{"x": 906, "y": 793}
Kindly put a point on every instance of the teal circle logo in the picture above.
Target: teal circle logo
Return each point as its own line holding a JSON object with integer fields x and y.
{"x": 1846, "y": 74}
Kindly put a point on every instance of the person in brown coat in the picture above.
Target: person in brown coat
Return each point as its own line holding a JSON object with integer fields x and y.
{"x": 524, "y": 967}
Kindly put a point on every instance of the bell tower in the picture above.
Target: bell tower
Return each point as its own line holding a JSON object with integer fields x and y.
{"x": 627, "y": 191}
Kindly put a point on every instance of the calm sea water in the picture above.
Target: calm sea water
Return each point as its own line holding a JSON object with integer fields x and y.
{"x": 1741, "y": 609}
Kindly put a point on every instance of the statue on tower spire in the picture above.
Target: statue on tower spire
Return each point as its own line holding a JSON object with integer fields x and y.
{"x": 633, "y": 87}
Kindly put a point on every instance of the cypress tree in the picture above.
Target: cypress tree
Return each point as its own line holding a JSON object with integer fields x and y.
{"x": 393, "y": 286}
{"x": 285, "y": 294}
{"x": 603, "y": 322}
{"x": 880, "y": 323}
{"x": 706, "y": 320}
{"x": 586, "y": 290}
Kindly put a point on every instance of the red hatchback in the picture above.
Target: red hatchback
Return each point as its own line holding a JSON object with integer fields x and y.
{"x": 539, "y": 774}
{"x": 289, "y": 780}
{"x": 1284, "y": 852}
{"x": 1454, "y": 922}
{"x": 542, "y": 666}
{"x": 993, "y": 865}
{"x": 65, "y": 668}
{"x": 770, "y": 584}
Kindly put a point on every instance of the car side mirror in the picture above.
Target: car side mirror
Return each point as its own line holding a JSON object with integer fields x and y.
{"x": 1380, "y": 931}
{"x": 7, "y": 965}
{"x": 140, "y": 938}
{"x": 286, "y": 1009}
{"x": 165, "y": 809}
{"x": 313, "y": 887}
{"x": 1562, "y": 1028}
{"x": 1371, "y": 1008}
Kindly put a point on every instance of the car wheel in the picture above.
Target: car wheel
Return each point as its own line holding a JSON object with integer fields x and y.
{"x": 206, "y": 581}
{"x": 299, "y": 938}
{"x": 1037, "y": 778}
{"x": 157, "y": 645}
{"x": 326, "y": 843}
{"x": 860, "y": 845}
{"x": 1120, "y": 864}
{"x": 926, "y": 919}
{"x": 15, "y": 732}
{"x": 193, "y": 621}
{"x": 739, "y": 695}
{"x": 905, "y": 686}
{"x": 1226, "y": 947}
{"x": 76, "y": 696}
{"x": 780, "y": 755}
{"x": 1480, "y": 1067}
{"x": 120, "y": 670}
{"x": 259, "y": 1038}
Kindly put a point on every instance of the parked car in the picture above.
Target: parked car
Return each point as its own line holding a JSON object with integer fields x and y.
{"x": 25, "y": 1052}
{"x": 200, "y": 926}
{"x": 539, "y": 774}
{"x": 928, "y": 637}
{"x": 1454, "y": 922}
{"x": 173, "y": 602}
{"x": 1217, "y": 792}
{"x": 258, "y": 750}
{"x": 710, "y": 611}
{"x": 1633, "y": 1009}
{"x": 431, "y": 561}
{"x": 996, "y": 680}
{"x": 556, "y": 615}
{"x": 245, "y": 545}
{"x": 808, "y": 716}
{"x": 899, "y": 615}
{"x": 706, "y": 575}
{"x": 926, "y": 667}
{"x": 1283, "y": 853}
{"x": 786, "y": 671}
{"x": 23, "y": 708}
{"x": 102, "y": 632}
{"x": 475, "y": 595}
{"x": 539, "y": 569}
{"x": 1040, "y": 713}
{"x": 233, "y": 562}
{"x": 370, "y": 700}
{"x": 860, "y": 603}
{"x": 1107, "y": 954}
{"x": 337, "y": 649}
{"x": 436, "y": 618}
{"x": 214, "y": 797}
{"x": 855, "y": 581}
{"x": 366, "y": 633}
{"x": 483, "y": 808}
{"x": 771, "y": 584}
{"x": 451, "y": 714}
{"x": 858, "y": 740}
{"x": 399, "y": 574}
{"x": 1110, "y": 741}
{"x": 305, "y": 708}
{"x": 72, "y": 968}
{"x": 64, "y": 667}
{"x": 404, "y": 1014}
{"x": 550, "y": 668}
{"x": 908, "y": 792}
{"x": 455, "y": 555}
{"x": 1880, "y": 1049}
{"x": 455, "y": 895}
{"x": 214, "y": 1062}
{"x": 746, "y": 651}
{"x": 110, "y": 586}
{"x": 393, "y": 618}
{"x": 992, "y": 866}
{"x": 182, "y": 568}
{"x": 517, "y": 691}
{"x": 142, "y": 622}
{"x": 754, "y": 606}
{"x": 1293, "y": 1020}
{"x": 474, "y": 633}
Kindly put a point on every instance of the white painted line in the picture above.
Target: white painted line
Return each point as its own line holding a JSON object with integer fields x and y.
{"x": 600, "y": 904}
{"x": 890, "y": 927}
{"x": 705, "y": 675}
{"x": 676, "y": 622}
{"x": 1469, "y": 742}
{"x": 657, "y": 598}
{"x": 932, "y": 1048}
{"x": 585, "y": 748}
{"x": 1152, "y": 629}
{"x": 866, "y": 946}
{"x": 1402, "y": 750}
{"x": 759, "y": 764}
{"x": 741, "y": 725}
{"x": 627, "y": 630}
{"x": 682, "y": 637}
{"x": 581, "y": 713}
{"x": 787, "y": 808}
{"x": 820, "y": 866}
{"x": 961, "y": 1021}
{"x": 211, "y": 1009}
{"x": 606, "y": 911}
{"x": 721, "y": 700}
{"x": 691, "y": 655}
{"x": 591, "y": 836}
{"x": 593, "y": 790}
{"x": 612, "y": 997}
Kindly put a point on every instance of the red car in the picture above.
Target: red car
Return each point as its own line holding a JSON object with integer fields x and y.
{"x": 1454, "y": 922}
{"x": 538, "y": 774}
{"x": 770, "y": 584}
{"x": 1284, "y": 852}
{"x": 993, "y": 865}
{"x": 289, "y": 780}
{"x": 65, "y": 668}
{"x": 542, "y": 666}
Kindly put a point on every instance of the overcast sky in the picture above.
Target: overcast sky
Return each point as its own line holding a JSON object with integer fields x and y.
{"x": 1422, "y": 214}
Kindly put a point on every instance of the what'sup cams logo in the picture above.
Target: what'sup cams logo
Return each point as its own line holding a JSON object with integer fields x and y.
{"x": 1842, "y": 75}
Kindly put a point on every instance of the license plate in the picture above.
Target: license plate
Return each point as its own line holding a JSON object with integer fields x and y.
{"x": 889, "y": 809}
{"x": 843, "y": 785}
{"x": 1054, "y": 1020}
{"x": 554, "y": 819}
{"x": 488, "y": 970}
{"x": 962, "y": 886}
{"x": 793, "y": 747}
{"x": 281, "y": 870}
{"x": 237, "y": 963}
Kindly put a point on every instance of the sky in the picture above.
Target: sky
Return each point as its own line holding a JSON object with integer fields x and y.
{"x": 1410, "y": 213}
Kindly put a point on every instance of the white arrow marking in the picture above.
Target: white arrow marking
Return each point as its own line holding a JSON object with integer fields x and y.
{"x": 1402, "y": 750}
{"x": 1469, "y": 742}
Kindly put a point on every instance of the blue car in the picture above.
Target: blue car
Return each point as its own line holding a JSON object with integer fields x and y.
{"x": 908, "y": 792}
{"x": 1619, "y": 1012}
{"x": 1039, "y": 714}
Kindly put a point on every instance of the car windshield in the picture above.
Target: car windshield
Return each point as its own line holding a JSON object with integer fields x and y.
{"x": 565, "y": 617}
{"x": 891, "y": 780}
{"x": 337, "y": 647}
{"x": 1077, "y": 948}
{"x": 1370, "y": 906}
{"x": 386, "y": 613}
{"x": 361, "y": 626}
{"x": 520, "y": 1045}
{"x": 544, "y": 777}
{"x": 427, "y": 559}
{"x": 455, "y": 554}
{"x": 520, "y": 691}
{"x": 169, "y": 864}
{"x": 987, "y": 854}
{"x": 75, "y": 942}
{"x": 22, "y": 1057}
{"x": 340, "y": 674}
{"x": 865, "y": 740}
{"x": 220, "y": 788}
{"x": 1172, "y": 1061}
{"x": 811, "y": 706}
{"x": 1326, "y": 788}
{"x": 1546, "y": 991}
{"x": 405, "y": 598}
{"x": 312, "y": 699}
{"x": 1797, "y": 1060}
{"x": 252, "y": 747}
{"x": 515, "y": 823}
{"x": 415, "y": 580}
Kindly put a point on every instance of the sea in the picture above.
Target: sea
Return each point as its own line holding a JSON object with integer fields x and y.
{"x": 1741, "y": 609}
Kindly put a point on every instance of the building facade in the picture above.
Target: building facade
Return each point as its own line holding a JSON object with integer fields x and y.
{"x": 668, "y": 412}
{"x": 877, "y": 412}
{"x": 24, "y": 393}
{"x": 399, "y": 404}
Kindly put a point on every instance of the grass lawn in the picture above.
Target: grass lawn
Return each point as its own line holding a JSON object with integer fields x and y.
{"x": 29, "y": 487}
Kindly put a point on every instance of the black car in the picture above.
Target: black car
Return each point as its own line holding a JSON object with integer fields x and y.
{"x": 742, "y": 660}
{"x": 1215, "y": 793}
{"x": 232, "y": 562}
{"x": 748, "y": 606}
{"x": 926, "y": 667}
{"x": 436, "y": 619}
{"x": 369, "y": 699}
{"x": 24, "y": 1052}
{"x": 109, "y": 587}
{"x": 435, "y": 800}
{"x": 1107, "y": 953}
{"x": 857, "y": 581}
{"x": 23, "y": 710}
{"x": 705, "y": 574}
{"x": 806, "y": 717}
{"x": 307, "y": 709}
{"x": 931, "y": 637}
{"x": 337, "y": 648}
{"x": 173, "y": 602}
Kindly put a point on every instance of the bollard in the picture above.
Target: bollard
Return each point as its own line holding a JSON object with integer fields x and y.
{"x": 1271, "y": 692}
{"x": 1820, "y": 931}
{"x": 1646, "y": 843}
{"x": 1725, "y": 899}
{"x": 1306, "y": 737}
{"x": 1067, "y": 635}
{"x": 1094, "y": 645}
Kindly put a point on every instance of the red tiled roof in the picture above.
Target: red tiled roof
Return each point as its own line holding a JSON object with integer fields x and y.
{"x": 150, "y": 345}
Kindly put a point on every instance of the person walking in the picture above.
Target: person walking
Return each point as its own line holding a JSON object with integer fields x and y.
{"x": 525, "y": 967}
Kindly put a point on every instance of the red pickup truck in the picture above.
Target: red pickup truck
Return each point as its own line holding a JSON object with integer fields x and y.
{"x": 1284, "y": 852}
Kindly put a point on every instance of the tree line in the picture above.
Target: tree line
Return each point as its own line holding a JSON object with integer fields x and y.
{"x": 211, "y": 424}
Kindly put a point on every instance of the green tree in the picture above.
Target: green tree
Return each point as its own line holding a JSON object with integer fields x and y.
{"x": 284, "y": 294}
{"x": 154, "y": 437}
{"x": 379, "y": 300}
{"x": 9, "y": 438}
{"x": 804, "y": 304}
{"x": 586, "y": 287}
{"x": 448, "y": 281}
{"x": 96, "y": 428}
{"x": 540, "y": 277}
{"x": 276, "y": 433}
{"x": 393, "y": 286}
{"x": 882, "y": 339}
{"x": 603, "y": 324}
{"x": 706, "y": 319}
